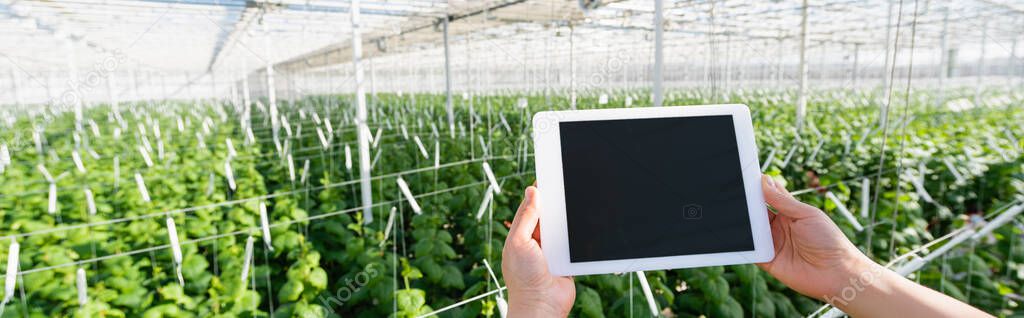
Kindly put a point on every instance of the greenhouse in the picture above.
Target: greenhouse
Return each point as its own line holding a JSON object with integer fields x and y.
{"x": 354, "y": 158}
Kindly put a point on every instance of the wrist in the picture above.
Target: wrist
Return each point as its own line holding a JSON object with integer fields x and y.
{"x": 860, "y": 280}
{"x": 533, "y": 304}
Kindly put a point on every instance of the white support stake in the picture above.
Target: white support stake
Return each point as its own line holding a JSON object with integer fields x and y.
{"x": 437, "y": 154}
{"x": 231, "y": 148}
{"x": 348, "y": 158}
{"x": 490, "y": 177}
{"x": 865, "y": 197}
{"x": 488, "y": 196}
{"x": 844, "y": 211}
{"x": 77, "y": 158}
{"x": 388, "y": 226}
{"x": 52, "y": 207}
{"x": 305, "y": 171}
{"x": 265, "y": 225}
{"x": 249, "y": 242}
{"x": 82, "y": 284}
{"x": 291, "y": 168}
{"x": 90, "y": 202}
{"x": 172, "y": 233}
{"x": 230, "y": 174}
{"x": 423, "y": 150}
{"x": 13, "y": 261}
{"x": 46, "y": 173}
{"x": 653, "y": 305}
{"x": 408, "y": 195}
{"x": 145, "y": 156}
{"x": 323, "y": 140}
{"x": 142, "y": 187}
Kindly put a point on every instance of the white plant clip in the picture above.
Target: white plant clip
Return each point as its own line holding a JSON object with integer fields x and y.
{"x": 265, "y": 225}
{"x": 160, "y": 149}
{"x": 287, "y": 126}
{"x": 95, "y": 128}
{"x": 490, "y": 177}
{"x": 230, "y": 174}
{"x": 388, "y": 226}
{"x": 629, "y": 101}
{"x": 423, "y": 150}
{"x": 330, "y": 129}
{"x": 77, "y": 158}
{"x": 348, "y": 157}
{"x": 844, "y": 211}
{"x": 249, "y": 242}
{"x": 433, "y": 130}
{"x": 408, "y": 195}
{"x": 405, "y": 133}
{"x": 488, "y": 196}
{"x": 142, "y": 187}
{"x": 172, "y": 233}
{"x": 145, "y": 156}
{"x": 376, "y": 138}
{"x": 603, "y": 99}
{"x": 181, "y": 125}
{"x": 52, "y": 207}
{"x": 323, "y": 140}
{"x": 305, "y": 171}
{"x": 646, "y": 287}
{"x": 483, "y": 145}
{"x": 522, "y": 103}
{"x": 90, "y": 201}
{"x": 291, "y": 168}
{"x": 82, "y": 284}
{"x": 865, "y": 197}
{"x": 13, "y": 261}
{"x": 437, "y": 154}
{"x": 231, "y": 148}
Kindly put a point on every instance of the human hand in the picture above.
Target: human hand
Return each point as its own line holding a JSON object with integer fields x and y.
{"x": 532, "y": 290}
{"x": 812, "y": 256}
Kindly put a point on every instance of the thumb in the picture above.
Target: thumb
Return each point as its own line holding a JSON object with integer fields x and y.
{"x": 779, "y": 198}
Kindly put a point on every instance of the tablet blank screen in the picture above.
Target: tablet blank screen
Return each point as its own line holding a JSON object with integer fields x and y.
{"x": 637, "y": 188}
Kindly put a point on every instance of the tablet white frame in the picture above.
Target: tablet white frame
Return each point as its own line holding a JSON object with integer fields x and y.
{"x": 551, "y": 194}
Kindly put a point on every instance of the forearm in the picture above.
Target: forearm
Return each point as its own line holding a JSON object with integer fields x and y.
{"x": 875, "y": 291}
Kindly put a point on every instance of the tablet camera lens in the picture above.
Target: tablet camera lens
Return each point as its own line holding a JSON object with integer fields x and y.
{"x": 693, "y": 212}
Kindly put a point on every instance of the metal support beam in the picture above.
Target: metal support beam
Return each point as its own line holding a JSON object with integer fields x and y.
{"x": 801, "y": 102}
{"x": 659, "y": 54}
{"x": 73, "y": 82}
{"x": 448, "y": 81}
{"x": 362, "y": 131}
{"x": 572, "y": 67}
{"x": 856, "y": 65}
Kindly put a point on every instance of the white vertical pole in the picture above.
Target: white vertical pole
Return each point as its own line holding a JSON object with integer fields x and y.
{"x": 728, "y": 62}
{"x": 362, "y": 131}
{"x": 271, "y": 90}
{"x": 943, "y": 58}
{"x": 889, "y": 48}
{"x": 981, "y": 64}
{"x": 801, "y": 103}
{"x": 448, "y": 80}
{"x": 659, "y": 54}
{"x": 778, "y": 64}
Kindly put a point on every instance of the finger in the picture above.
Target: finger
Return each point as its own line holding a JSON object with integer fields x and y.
{"x": 778, "y": 197}
{"x": 526, "y": 218}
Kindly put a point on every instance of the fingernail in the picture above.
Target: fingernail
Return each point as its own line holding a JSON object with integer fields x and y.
{"x": 768, "y": 179}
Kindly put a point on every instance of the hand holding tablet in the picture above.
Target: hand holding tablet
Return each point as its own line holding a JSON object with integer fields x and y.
{"x": 598, "y": 166}
{"x": 655, "y": 188}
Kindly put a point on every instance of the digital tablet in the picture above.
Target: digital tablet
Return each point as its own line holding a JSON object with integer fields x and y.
{"x": 634, "y": 189}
